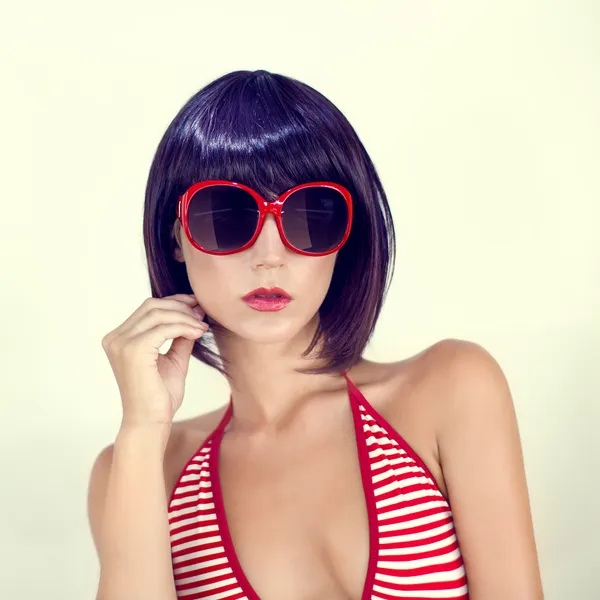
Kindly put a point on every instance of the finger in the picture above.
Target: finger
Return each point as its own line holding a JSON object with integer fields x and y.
{"x": 158, "y": 316}
{"x": 187, "y": 298}
{"x": 179, "y": 302}
{"x": 149, "y": 342}
{"x": 180, "y": 351}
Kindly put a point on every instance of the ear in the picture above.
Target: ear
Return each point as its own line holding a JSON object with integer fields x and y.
{"x": 176, "y": 241}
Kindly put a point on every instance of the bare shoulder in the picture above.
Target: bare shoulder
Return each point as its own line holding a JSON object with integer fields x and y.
{"x": 445, "y": 375}
{"x": 460, "y": 370}
{"x": 479, "y": 449}
{"x": 440, "y": 368}
{"x": 185, "y": 437}
{"x": 416, "y": 394}
{"x": 433, "y": 361}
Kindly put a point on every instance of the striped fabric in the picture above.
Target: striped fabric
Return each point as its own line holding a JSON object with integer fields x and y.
{"x": 414, "y": 552}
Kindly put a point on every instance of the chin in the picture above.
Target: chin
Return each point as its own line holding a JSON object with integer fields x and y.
{"x": 266, "y": 332}
{"x": 267, "y": 327}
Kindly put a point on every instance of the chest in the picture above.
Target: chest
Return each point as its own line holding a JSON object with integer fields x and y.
{"x": 293, "y": 514}
{"x": 297, "y": 516}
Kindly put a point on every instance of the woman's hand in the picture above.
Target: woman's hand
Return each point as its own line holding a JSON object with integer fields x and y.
{"x": 152, "y": 384}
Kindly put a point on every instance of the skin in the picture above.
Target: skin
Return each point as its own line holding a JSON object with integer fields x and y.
{"x": 288, "y": 456}
{"x": 252, "y": 339}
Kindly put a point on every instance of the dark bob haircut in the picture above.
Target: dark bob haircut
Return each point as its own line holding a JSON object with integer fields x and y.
{"x": 272, "y": 132}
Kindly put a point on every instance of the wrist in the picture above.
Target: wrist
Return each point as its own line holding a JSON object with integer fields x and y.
{"x": 141, "y": 424}
{"x": 144, "y": 432}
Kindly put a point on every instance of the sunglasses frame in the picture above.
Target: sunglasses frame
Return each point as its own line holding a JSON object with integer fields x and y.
{"x": 275, "y": 207}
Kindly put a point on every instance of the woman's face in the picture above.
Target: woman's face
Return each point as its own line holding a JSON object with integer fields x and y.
{"x": 220, "y": 282}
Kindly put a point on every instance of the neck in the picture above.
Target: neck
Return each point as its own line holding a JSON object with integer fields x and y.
{"x": 267, "y": 393}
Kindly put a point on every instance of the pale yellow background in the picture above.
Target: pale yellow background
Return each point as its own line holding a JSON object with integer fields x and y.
{"x": 483, "y": 121}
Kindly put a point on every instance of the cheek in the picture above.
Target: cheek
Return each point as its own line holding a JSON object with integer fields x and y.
{"x": 314, "y": 279}
{"x": 216, "y": 282}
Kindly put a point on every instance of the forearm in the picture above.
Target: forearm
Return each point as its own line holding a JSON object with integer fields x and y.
{"x": 135, "y": 543}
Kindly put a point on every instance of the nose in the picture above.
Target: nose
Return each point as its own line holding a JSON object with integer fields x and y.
{"x": 268, "y": 248}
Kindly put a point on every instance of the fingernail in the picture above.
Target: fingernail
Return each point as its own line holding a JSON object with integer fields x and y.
{"x": 198, "y": 312}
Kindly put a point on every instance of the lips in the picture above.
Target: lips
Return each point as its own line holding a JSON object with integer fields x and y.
{"x": 267, "y": 299}
{"x": 274, "y": 291}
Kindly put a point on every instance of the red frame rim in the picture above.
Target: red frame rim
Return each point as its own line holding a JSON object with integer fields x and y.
{"x": 264, "y": 208}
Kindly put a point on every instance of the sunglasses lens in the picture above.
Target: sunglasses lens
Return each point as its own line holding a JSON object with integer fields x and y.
{"x": 222, "y": 218}
{"x": 315, "y": 218}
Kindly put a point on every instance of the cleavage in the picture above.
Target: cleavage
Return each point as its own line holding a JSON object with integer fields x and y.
{"x": 297, "y": 515}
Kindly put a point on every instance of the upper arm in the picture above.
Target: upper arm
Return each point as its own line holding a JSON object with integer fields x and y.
{"x": 98, "y": 483}
{"x": 481, "y": 459}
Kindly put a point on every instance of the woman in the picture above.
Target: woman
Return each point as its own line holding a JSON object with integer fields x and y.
{"x": 326, "y": 476}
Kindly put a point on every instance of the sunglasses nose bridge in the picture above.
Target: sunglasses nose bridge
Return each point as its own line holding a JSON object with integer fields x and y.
{"x": 271, "y": 207}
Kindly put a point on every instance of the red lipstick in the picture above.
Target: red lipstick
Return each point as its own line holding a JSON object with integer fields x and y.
{"x": 271, "y": 299}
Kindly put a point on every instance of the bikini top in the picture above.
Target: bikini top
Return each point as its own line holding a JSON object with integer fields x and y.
{"x": 414, "y": 552}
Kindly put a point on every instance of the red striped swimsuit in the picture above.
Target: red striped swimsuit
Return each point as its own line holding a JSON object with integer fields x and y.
{"x": 414, "y": 551}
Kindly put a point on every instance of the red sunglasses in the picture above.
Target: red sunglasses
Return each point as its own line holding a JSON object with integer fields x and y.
{"x": 223, "y": 217}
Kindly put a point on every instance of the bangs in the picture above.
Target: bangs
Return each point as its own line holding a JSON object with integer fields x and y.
{"x": 268, "y": 137}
